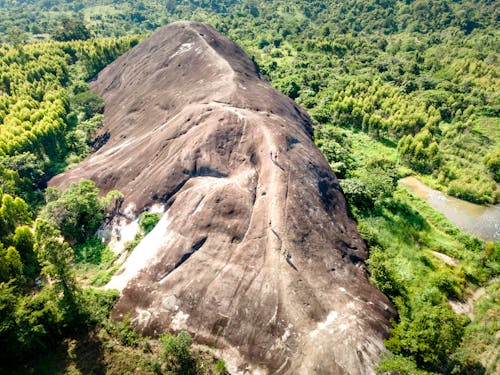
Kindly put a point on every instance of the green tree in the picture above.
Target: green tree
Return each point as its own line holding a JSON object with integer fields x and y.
{"x": 77, "y": 211}
{"x": 71, "y": 29}
{"x": 24, "y": 242}
{"x": 430, "y": 337}
{"x": 89, "y": 103}
{"x": 372, "y": 183}
{"x": 492, "y": 162}
{"x": 13, "y": 212}
{"x": 56, "y": 258}
{"x": 11, "y": 266}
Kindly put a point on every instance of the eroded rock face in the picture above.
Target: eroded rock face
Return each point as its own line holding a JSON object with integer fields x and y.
{"x": 254, "y": 256}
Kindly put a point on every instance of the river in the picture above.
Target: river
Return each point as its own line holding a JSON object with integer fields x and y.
{"x": 482, "y": 221}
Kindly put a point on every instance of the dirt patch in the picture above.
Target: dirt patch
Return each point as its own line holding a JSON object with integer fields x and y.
{"x": 445, "y": 258}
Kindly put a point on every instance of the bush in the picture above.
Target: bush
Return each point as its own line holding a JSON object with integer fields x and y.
{"x": 220, "y": 367}
{"x": 176, "y": 354}
{"x": 80, "y": 139}
{"x": 148, "y": 221}
{"x": 370, "y": 184}
{"x": 95, "y": 305}
{"x": 125, "y": 333}
{"x": 78, "y": 211}
{"x": 492, "y": 162}
{"x": 93, "y": 251}
{"x": 382, "y": 275}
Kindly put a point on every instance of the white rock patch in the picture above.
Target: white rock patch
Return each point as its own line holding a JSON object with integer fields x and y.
{"x": 179, "y": 321}
{"x": 185, "y": 47}
{"x": 143, "y": 255}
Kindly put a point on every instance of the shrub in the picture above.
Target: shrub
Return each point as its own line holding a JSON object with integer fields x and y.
{"x": 148, "y": 221}
{"x": 372, "y": 183}
{"x": 78, "y": 211}
{"x": 71, "y": 29}
{"x": 220, "y": 367}
{"x": 125, "y": 333}
{"x": 95, "y": 305}
{"x": 176, "y": 353}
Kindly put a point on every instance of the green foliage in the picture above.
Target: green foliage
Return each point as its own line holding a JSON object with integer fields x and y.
{"x": 492, "y": 162}
{"x": 402, "y": 234}
{"x": 103, "y": 275}
{"x": 71, "y": 29}
{"x": 430, "y": 337}
{"x": 96, "y": 305}
{"x": 11, "y": 266}
{"x": 93, "y": 251}
{"x": 80, "y": 139}
{"x": 220, "y": 367}
{"x": 131, "y": 245}
{"x": 38, "y": 320}
{"x": 41, "y": 98}
{"x": 89, "y": 104}
{"x": 375, "y": 181}
{"x": 148, "y": 220}
{"x": 28, "y": 167}
{"x": 77, "y": 211}
{"x": 480, "y": 343}
{"x": 95, "y": 261}
{"x": 56, "y": 258}
{"x": 420, "y": 152}
{"x": 176, "y": 353}
{"x": 423, "y": 75}
{"x": 17, "y": 259}
{"x": 382, "y": 273}
{"x": 13, "y": 212}
{"x": 397, "y": 364}
{"x": 337, "y": 149}
{"x": 126, "y": 333}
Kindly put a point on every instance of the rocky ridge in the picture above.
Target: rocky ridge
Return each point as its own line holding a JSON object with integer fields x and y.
{"x": 255, "y": 254}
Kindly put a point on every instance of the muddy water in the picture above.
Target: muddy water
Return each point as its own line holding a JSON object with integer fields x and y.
{"x": 483, "y": 221}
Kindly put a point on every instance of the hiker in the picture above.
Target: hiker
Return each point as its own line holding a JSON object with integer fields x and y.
{"x": 271, "y": 154}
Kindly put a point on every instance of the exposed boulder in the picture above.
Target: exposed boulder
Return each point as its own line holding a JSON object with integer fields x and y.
{"x": 256, "y": 255}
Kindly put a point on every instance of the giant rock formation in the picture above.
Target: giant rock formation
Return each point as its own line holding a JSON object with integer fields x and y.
{"x": 255, "y": 256}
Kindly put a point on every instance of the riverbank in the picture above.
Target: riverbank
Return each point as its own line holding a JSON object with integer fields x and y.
{"x": 481, "y": 221}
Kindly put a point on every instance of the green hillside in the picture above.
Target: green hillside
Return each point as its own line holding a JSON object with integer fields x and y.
{"x": 394, "y": 87}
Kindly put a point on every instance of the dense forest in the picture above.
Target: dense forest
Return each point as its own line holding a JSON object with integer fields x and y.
{"x": 394, "y": 88}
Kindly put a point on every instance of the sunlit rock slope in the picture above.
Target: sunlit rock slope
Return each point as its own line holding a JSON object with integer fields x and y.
{"x": 255, "y": 255}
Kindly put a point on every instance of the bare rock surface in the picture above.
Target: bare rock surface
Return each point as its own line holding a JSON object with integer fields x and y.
{"x": 254, "y": 256}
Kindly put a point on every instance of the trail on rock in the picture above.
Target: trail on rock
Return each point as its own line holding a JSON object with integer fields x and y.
{"x": 255, "y": 255}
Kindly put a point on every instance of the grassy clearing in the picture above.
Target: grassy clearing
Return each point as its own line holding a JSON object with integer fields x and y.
{"x": 366, "y": 148}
